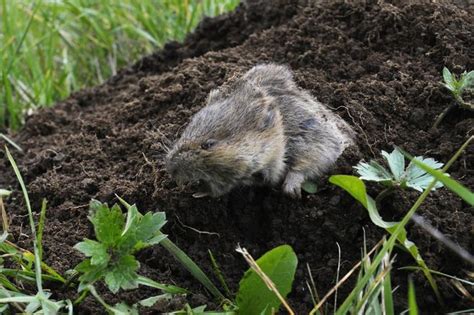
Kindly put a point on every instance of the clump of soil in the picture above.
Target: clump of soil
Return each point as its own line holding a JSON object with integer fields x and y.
{"x": 376, "y": 64}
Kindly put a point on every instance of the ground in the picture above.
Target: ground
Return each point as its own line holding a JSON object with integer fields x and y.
{"x": 377, "y": 65}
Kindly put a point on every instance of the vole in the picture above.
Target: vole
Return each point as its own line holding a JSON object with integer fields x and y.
{"x": 259, "y": 129}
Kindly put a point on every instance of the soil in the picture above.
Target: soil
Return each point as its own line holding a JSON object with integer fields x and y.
{"x": 377, "y": 64}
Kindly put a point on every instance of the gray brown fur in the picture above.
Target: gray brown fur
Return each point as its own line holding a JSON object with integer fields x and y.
{"x": 259, "y": 129}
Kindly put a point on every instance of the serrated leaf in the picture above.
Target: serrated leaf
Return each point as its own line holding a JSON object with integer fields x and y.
{"x": 469, "y": 77}
{"x": 466, "y": 81}
{"x": 90, "y": 273}
{"x": 123, "y": 274}
{"x": 279, "y": 264}
{"x": 156, "y": 240}
{"x": 450, "y": 183}
{"x": 132, "y": 217}
{"x": 97, "y": 251}
{"x": 309, "y": 187}
{"x": 356, "y": 188}
{"x": 149, "y": 226}
{"x": 373, "y": 171}
{"x": 108, "y": 223}
{"x": 419, "y": 179}
{"x": 142, "y": 230}
{"x": 449, "y": 80}
{"x": 396, "y": 163}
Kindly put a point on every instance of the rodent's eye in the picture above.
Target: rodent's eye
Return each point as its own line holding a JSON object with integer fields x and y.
{"x": 206, "y": 145}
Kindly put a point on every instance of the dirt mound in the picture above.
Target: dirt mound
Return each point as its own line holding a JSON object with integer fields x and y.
{"x": 376, "y": 64}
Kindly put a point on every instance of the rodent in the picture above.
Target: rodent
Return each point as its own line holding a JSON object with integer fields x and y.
{"x": 260, "y": 129}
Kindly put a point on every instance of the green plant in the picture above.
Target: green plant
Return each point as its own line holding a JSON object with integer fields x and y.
{"x": 52, "y": 48}
{"x": 124, "y": 309}
{"x": 456, "y": 87}
{"x": 356, "y": 188}
{"x": 377, "y": 295}
{"x": 264, "y": 286}
{"x": 412, "y": 305}
{"x": 398, "y": 176}
{"x": 4, "y": 193}
{"x": 111, "y": 257}
{"x": 40, "y": 302}
{"x": 187, "y": 263}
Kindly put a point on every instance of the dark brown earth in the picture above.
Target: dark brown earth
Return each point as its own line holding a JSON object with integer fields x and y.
{"x": 378, "y": 65}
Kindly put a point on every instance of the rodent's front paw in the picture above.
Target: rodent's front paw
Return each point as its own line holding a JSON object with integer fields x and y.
{"x": 292, "y": 184}
{"x": 292, "y": 191}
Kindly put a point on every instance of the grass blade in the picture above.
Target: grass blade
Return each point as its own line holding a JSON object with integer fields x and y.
{"x": 388, "y": 246}
{"x": 41, "y": 228}
{"x": 37, "y": 260}
{"x": 192, "y": 267}
{"x": 412, "y": 306}
{"x": 164, "y": 287}
{"x": 11, "y": 142}
{"x": 219, "y": 274}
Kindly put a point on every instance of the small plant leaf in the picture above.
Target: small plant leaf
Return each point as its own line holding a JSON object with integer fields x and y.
{"x": 123, "y": 274}
{"x": 149, "y": 226}
{"x": 466, "y": 81}
{"x": 149, "y": 302}
{"x": 449, "y": 80}
{"x": 356, "y": 188}
{"x": 123, "y": 309}
{"x": 3, "y": 237}
{"x": 90, "y": 273}
{"x": 309, "y": 187}
{"x": 419, "y": 179}
{"x": 396, "y": 163}
{"x": 253, "y": 297}
{"x": 412, "y": 306}
{"x": 373, "y": 171}
{"x": 450, "y": 183}
{"x": 108, "y": 222}
{"x": 97, "y": 251}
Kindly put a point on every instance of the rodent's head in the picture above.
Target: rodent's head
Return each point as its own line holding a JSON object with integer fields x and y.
{"x": 228, "y": 141}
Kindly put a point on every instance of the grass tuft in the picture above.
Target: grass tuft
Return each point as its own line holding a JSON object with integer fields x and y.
{"x": 52, "y": 48}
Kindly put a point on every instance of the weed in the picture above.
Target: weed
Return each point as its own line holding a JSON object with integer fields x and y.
{"x": 186, "y": 262}
{"x": 456, "y": 87}
{"x": 112, "y": 255}
{"x": 52, "y": 48}
{"x": 412, "y": 176}
{"x": 356, "y": 188}
{"x": 40, "y": 302}
{"x": 264, "y": 286}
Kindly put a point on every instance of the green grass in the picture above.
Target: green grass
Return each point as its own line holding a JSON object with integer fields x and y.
{"x": 51, "y": 48}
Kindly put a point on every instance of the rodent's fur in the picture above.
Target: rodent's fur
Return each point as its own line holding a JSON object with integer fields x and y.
{"x": 259, "y": 129}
